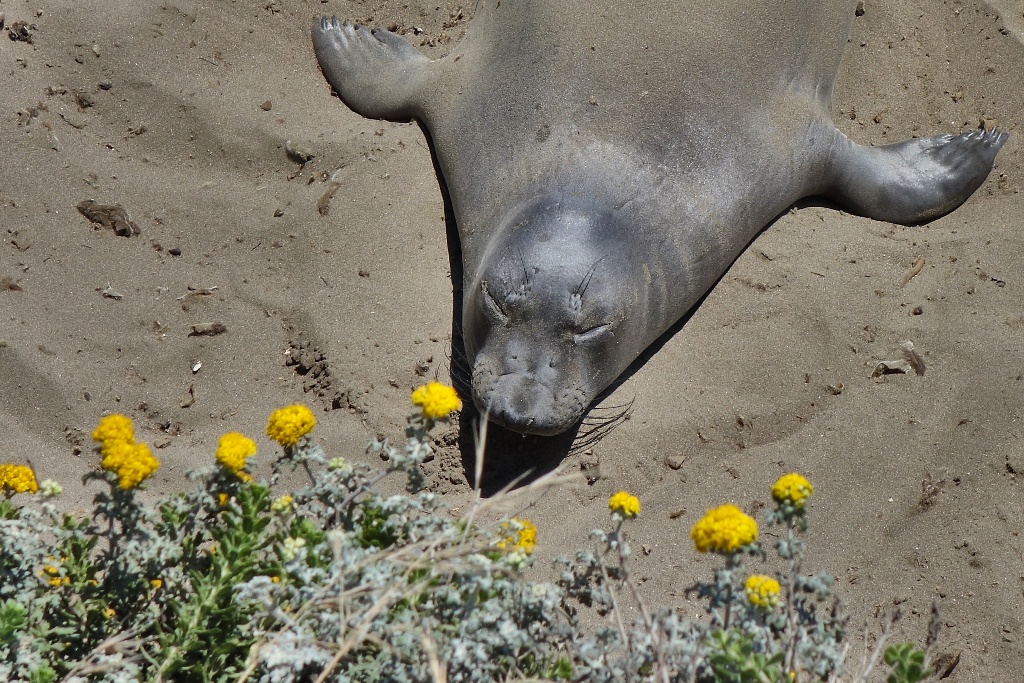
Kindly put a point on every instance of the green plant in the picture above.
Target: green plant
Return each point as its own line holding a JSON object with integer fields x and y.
{"x": 909, "y": 664}
{"x": 338, "y": 581}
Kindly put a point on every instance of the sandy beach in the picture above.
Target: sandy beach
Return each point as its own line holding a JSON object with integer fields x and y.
{"x": 245, "y": 280}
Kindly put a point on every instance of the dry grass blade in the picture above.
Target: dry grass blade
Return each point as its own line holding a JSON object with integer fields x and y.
{"x": 542, "y": 484}
{"x": 437, "y": 669}
{"x": 480, "y": 438}
{"x": 356, "y": 638}
{"x": 509, "y": 491}
{"x": 124, "y": 643}
{"x": 879, "y": 648}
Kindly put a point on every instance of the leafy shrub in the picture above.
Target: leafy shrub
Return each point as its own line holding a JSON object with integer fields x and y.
{"x": 339, "y": 582}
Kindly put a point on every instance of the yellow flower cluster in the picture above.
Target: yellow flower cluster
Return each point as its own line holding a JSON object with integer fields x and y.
{"x": 625, "y": 504}
{"x": 18, "y": 478}
{"x": 793, "y": 489}
{"x": 232, "y": 450}
{"x": 131, "y": 462}
{"x": 53, "y": 572}
{"x": 762, "y": 591}
{"x": 436, "y": 400}
{"x": 522, "y": 536}
{"x": 282, "y": 503}
{"x": 55, "y": 578}
{"x": 289, "y": 424}
{"x": 113, "y": 428}
{"x": 724, "y": 529}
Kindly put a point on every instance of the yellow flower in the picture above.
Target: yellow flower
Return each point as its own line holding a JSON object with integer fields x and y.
{"x": 624, "y": 504}
{"x": 275, "y": 579}
{"x": 157, "y": 584}
{"x": 436, "y": 400}
{"x": 222, "y": 499}
{"x": 131, "y": 462}
{"x": 762, "y": 591}
{"x": 18, "y": 478}
{"x": 282, "y": 503}
{"x": 114, "y": 427}
{"x": 54, "y": 573}
{"x": 527, "y": 536}
{"x": 723, "y": 529}
{"x": 232, "y": 450}
{"x": 522, "y": 536}
{"x": 793, "y": 489}
{"x": 109, "y": 613}
{"x": 287, "y": 425}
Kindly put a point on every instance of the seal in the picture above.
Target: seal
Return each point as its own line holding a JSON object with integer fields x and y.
{"x": 607, "y": 164}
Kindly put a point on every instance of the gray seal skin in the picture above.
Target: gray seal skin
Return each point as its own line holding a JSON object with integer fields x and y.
{"x": 607, "y": 162}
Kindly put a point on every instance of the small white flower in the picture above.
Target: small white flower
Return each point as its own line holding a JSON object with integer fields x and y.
{"x": 292, "y": 546}
{"x": 50, "y": 488}
{"x": 480, "y": 560}
{"x": 338, "y": 464}
{"x": 517, "y": 559}
{"x": 539, "y": 591}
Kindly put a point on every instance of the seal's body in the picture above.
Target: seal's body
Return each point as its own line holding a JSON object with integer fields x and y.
{"x": 606, "y": 166}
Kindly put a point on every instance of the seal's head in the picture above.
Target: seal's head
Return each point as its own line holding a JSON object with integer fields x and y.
{"x": 555, "y": 314}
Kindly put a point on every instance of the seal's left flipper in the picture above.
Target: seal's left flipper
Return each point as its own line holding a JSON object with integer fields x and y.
{"x": 912, "y": 181}
{"x": 377, "y": 73}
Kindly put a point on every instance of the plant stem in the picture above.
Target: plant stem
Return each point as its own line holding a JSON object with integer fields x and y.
{"x": 197, "y": 617}
{"x": 794, "y": 569}
{"x": 309, "y": 473}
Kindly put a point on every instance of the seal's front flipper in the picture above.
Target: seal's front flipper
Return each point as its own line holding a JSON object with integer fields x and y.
{"x": 915, "y": 180}
{"x": 375, "y": 72}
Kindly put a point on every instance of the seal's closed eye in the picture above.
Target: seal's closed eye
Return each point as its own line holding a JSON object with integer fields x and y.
{"x": 495, "y": 313}
{"x": 592, "y": 334}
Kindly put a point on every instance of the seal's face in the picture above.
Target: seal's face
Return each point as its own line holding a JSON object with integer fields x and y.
{"x": 551, "y": 318}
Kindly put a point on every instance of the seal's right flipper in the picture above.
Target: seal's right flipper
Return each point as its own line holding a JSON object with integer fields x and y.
{"x": 915, "y": 180}
{"x": 375, "y": 72}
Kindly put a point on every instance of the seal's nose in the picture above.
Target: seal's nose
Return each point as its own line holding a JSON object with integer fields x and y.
{"x": 523, "y": 405}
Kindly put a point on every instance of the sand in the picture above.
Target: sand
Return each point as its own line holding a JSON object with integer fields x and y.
{"x": 184, "y": 113}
